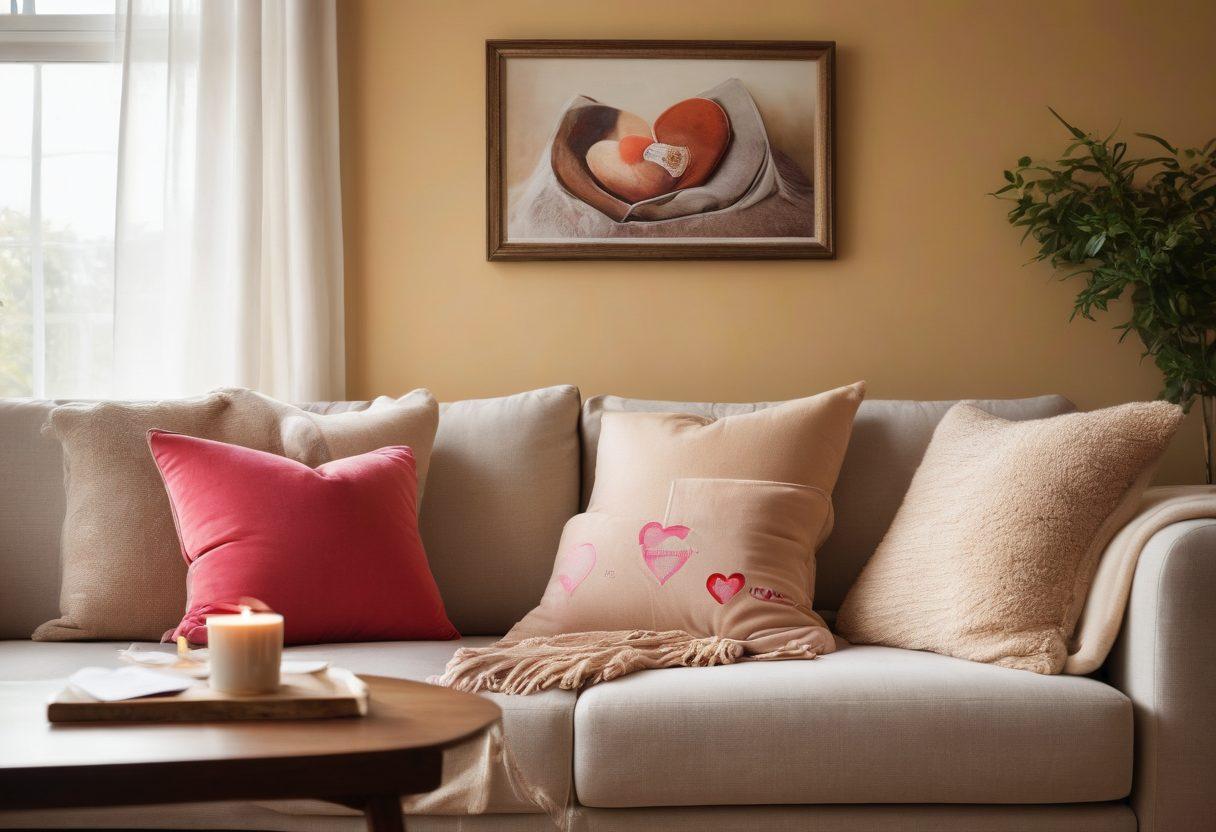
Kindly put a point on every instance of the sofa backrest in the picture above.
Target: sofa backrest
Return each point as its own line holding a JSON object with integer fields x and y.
{"x": 32, "y": 506}
{"x": 889, "y": 439}
{"x": 504, "y": 478}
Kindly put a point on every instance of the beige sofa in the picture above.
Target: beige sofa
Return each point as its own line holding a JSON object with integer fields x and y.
{"x": 865, "y": 738}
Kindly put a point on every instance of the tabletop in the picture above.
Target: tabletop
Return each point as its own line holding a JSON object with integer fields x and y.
{"x": 396, "y": 749}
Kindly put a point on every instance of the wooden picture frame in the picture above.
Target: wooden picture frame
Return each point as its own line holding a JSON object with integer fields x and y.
{"x": 551, "y": 146}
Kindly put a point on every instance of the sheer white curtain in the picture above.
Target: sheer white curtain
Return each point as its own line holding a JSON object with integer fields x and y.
{"x": 228, "y": 266}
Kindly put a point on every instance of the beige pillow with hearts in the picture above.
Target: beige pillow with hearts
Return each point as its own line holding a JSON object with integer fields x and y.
{"x": 729, "y": 558}
{"x": 704, "y": 526}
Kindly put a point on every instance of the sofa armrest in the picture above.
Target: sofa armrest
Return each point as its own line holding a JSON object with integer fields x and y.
{"x": 1165, "y": 661}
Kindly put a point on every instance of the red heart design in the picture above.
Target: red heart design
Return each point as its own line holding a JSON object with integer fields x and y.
{"x": 723, "y": 587}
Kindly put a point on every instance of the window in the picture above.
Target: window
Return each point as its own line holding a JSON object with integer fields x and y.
{"x": 59, "y": 102}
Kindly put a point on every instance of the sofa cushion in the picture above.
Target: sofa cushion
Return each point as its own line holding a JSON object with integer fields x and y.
{"x": 747, "y": 500}
{"x": 993, "y": 550}
{"x": 31, "y": 515}
{"x": 864, "y": 724}
{"x": 504, "y": 481}
{"x": 334, "y": 549}
{"x": 538, "y": 729}
{"x": 889, "y": 439}
{"x": 730, "y": 558}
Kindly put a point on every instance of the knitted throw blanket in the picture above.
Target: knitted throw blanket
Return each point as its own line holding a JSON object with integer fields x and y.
{"x": 573, "y": 661}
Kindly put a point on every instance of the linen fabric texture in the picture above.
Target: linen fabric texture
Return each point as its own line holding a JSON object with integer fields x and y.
{"x": 503, "y": 481}
{"x": 123, "y": 576}
{"x": 228, "y": 254}
{"x": 992, "y": 552}
{"x": 334, "y": 549}
{"x": 697, "y": 548}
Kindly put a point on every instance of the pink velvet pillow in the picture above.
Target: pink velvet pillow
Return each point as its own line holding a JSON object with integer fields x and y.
{"x": 334, "y": 549}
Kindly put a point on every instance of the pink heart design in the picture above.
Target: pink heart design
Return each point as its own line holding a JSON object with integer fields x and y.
{"x": 723, "y": 588}
{"x": 576, "y": 566}
{"x": 663, "y": 563}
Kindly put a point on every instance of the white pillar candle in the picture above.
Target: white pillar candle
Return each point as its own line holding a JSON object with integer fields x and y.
{"x": 245, "y": 651}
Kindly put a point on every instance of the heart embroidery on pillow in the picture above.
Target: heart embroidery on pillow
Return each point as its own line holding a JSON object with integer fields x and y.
{"x": 663, "y": 563}
{"x": 723, "y": 587}
{"x": 576, "y": 566}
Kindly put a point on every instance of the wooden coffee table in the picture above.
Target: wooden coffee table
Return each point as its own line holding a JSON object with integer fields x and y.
{"x": 366, "y": 763}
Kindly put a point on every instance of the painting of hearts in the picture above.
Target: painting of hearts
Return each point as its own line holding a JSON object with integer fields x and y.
{"x": 659, "y": 149}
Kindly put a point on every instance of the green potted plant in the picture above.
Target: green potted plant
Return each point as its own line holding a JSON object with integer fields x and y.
{"x": 1142, "y": 227}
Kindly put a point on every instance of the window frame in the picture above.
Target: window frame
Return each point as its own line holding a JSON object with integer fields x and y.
{"x": 58, "y": 38}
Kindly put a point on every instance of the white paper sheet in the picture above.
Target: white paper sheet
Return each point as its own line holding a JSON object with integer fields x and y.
{"x": 107, "y": 685}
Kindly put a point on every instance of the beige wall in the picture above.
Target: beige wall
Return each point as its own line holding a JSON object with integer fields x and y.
{"x": 928, "y": 297}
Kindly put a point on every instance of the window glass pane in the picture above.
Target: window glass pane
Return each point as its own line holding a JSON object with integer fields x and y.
{"x": 16, "y": 314}
{"x": 16, "y": 319}
{"x": 79, "y": 317}
{"x": 79, "y": 169}
{"x": 79, "y": 147}
{"x": 16, "y": 116}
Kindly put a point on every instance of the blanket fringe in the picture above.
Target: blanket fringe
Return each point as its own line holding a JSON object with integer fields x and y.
{"x": 574, "y": 660}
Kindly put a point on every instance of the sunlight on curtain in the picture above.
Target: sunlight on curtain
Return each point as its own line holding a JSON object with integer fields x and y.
{"x": 228, "y": 248}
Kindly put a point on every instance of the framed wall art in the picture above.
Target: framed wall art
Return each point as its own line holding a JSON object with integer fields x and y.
{"x": 628, "y": 149}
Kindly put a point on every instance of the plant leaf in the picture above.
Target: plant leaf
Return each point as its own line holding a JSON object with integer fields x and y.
{"x": 1159, "y": 141}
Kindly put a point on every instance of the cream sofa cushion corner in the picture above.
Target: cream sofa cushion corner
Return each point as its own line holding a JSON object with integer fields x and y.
{"x": 861, "y": 725}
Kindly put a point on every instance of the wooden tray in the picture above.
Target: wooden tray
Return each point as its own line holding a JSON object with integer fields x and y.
{"x": 329, "y": 693}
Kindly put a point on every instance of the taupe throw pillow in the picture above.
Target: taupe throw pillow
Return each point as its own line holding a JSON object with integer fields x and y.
{"x": 123, "y": 572}
{"x": 994, "y": 547}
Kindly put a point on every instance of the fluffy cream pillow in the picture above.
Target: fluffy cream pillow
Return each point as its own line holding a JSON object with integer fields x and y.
{"x": 123, "y": 572}
{"x": 993, "y": 549}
